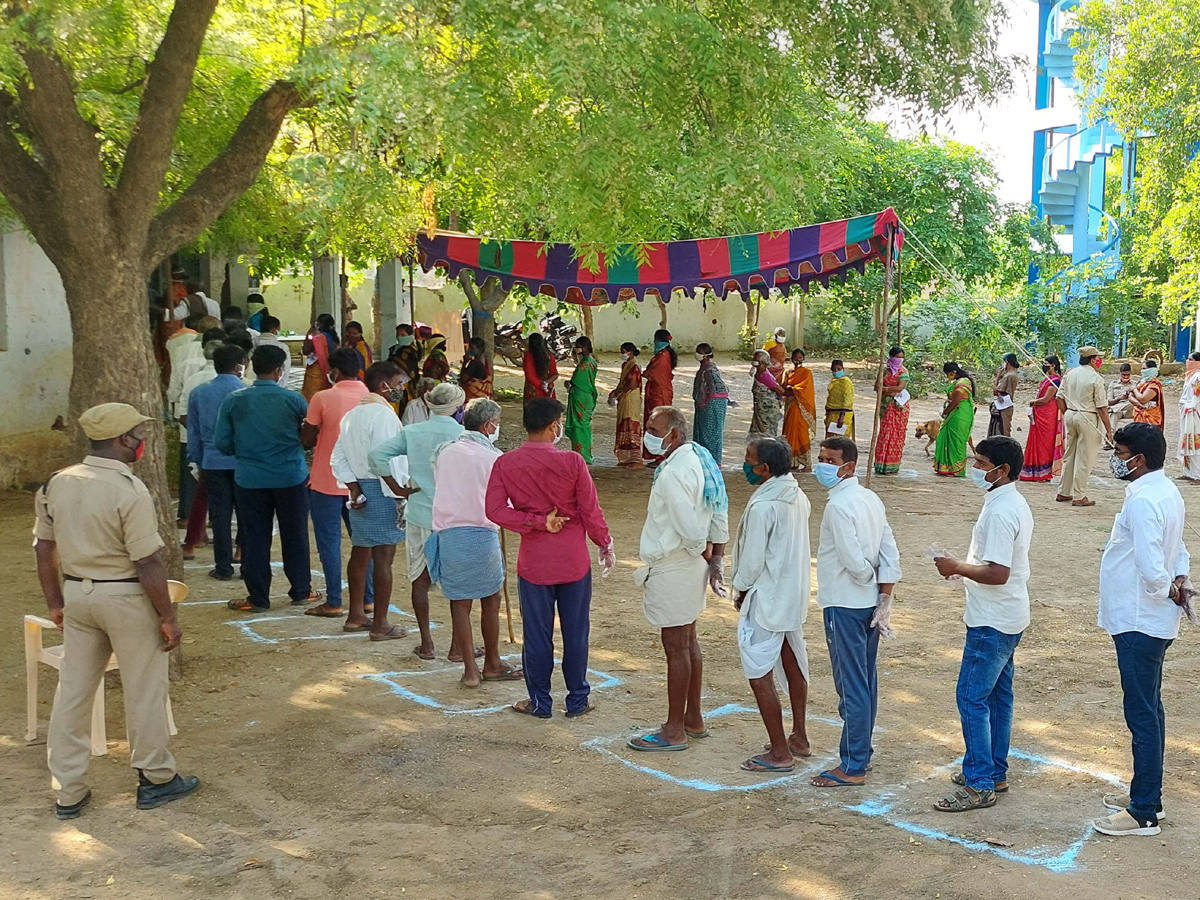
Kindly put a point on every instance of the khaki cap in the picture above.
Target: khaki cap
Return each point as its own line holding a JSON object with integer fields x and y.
{"x": 1088, "y": 352}
{"x": 110, "y": 420}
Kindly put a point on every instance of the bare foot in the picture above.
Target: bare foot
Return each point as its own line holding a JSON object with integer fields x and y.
{"x": 456, "y": 657}
{"x": 798, "y": 747}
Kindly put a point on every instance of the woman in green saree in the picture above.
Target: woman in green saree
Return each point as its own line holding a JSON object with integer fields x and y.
{"x": 958, "y": 415}
{"x": 581, "y": 400}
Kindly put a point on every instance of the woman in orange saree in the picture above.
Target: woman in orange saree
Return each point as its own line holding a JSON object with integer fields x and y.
{"x": 800, "y": 415}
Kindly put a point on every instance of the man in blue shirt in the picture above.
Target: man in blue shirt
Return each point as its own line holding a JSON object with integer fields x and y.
{"x": 216, "y": 469}
{"x": 418, "y": 442}
{"x": 260, "y": 428}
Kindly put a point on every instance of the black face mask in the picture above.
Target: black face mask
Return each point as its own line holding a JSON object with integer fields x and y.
{"x": 1046, "y": 370}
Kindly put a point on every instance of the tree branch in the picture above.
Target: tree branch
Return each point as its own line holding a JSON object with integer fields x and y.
{"x": 168, "y": 80}
{"x": 25, "y": 184}
{"x": 227, "y": 177}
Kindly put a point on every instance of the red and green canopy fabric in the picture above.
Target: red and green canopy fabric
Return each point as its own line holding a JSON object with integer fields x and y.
{"x": 723, "y": 264}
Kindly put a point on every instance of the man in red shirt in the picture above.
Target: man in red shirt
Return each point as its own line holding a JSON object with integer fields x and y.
{"x": 547, "y": 496}
{"x": 326, "y": 498}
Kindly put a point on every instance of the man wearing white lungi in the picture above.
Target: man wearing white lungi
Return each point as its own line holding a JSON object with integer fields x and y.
{"x": 683, "y": 553}
{"x": 771, "y": 564}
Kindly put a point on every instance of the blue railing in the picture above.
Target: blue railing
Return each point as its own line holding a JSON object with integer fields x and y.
{"x": 1060, "y": 21}
{"x": 1070, "y": 150}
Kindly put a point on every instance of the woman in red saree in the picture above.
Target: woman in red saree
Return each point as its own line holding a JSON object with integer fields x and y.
{"x": 1044, "y": 449}
{"x": 541, "y": 371}
{"x": 660, "y": 390}
{"x": 893, "y": 421}
{"x": 322, "y": 340}
{"x": 628, "y": 399}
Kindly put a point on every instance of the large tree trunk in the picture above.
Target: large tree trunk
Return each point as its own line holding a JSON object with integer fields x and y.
{"x": 484, "y": 304}
{"x": 124, "y": 371}
{"x": 585, "y": 319}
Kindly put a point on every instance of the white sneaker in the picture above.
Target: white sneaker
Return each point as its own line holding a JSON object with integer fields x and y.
{"x": 1121, "y": 824}
{"x": 1118, "y": 802}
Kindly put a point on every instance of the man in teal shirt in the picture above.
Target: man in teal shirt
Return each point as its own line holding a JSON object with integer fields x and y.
{"x": 260, "y": 428}
{"x": 418, "y": 442}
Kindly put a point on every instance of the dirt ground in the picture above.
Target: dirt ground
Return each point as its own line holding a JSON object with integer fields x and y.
{"x": 337, "y": 767}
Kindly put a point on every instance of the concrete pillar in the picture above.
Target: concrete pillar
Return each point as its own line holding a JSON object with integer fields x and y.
{"x": 327, "y": 289}
{"x": 394, "y": 305}
{"x": 239, "y": 284}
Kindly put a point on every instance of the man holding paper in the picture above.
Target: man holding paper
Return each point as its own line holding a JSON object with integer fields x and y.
{"x": 375, "y": 515}
{"x": 1004, "y": 388}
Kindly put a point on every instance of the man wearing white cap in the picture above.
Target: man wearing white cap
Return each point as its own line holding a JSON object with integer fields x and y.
{"x": 418, "y": 443}
{"x": 97, "y": 545}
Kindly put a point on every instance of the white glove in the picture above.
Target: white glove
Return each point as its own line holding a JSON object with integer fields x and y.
{"x": 194, "y": 468}
{"x": 883, "y": 617}
{"x": 608, "y": 559}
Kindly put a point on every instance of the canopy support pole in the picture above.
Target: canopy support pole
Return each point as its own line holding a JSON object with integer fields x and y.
{"x": 889, "y": 253}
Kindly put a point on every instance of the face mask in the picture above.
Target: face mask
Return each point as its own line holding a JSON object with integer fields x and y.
{"x": 561, "y": 434}
{"x": 141, "y": 448}
{"x": 1099, "y": 362}
{"x": 1149, "y": 373}
{"x": 979, "y": 478}
{"x": 661, "y": 345}
{"x": 700, "y": 357}
{"x": 1045, "y": 370}
{"x": 395, "y": 396}
{"x": 405, "y": 340}
{"x": 495, "y": 435}
{"x": 624, "y": 357}
{"x": 839, "y": 374}
{"x": 1120, "y": 467}
{"x": 653, "y": 443}
{"x": 752, "y": 476}
{"x": 827, "y": 474}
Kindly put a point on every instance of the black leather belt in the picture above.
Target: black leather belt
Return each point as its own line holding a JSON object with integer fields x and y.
{"x": 133, "y": 580}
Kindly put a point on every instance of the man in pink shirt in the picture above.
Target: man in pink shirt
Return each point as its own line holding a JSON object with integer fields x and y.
{"x": 547, "y": 496}
{"x": 463, "y": 552}
{"x": 326, "y": 498}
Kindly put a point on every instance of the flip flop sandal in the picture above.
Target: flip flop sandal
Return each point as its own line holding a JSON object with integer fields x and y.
{"x": 698, "y": 735}
{"x": 392, "y": 634}
{"x": 575, "y": 714}
{"x": 417, "y": 652}
{"x": 759, "y": 764}
{"x": 508, "y": 673}
{"x": 313, "y": 597}
{"x": 525, "y": 708}
{"x": 241, "y": 605}
{"x": 966, "y": 799}
{"x": 325, "y": 612}
{"x": 837, "y": 782}
{"x": 960, "y": 779}
{"x": 357, "y": 629}
{"x": 654, "y": 743}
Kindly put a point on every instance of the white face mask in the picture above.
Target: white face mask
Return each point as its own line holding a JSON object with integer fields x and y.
{"x": 560, "y": 435}
{"x": 979, "y": 478}
{"x": 700, "y": 357}
{"x": 624, "y": 357}
{"x": 653, "y": 443}
{"x": 495, "y": 435}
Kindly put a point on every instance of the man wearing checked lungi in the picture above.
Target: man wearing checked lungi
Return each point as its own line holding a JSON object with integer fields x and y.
{"x": 683, "y": 554}
{"x": 463, "y": 552}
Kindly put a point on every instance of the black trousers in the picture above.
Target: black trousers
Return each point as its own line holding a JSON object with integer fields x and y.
{"x": 257, "y": 509}
{"x": 221, "y": 506}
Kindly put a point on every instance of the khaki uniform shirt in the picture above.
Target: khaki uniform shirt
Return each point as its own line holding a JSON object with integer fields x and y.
{"x": 101, "y": 516}
{"x": 1084, "y": 390}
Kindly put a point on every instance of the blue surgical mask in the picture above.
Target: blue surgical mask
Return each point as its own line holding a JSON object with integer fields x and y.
{"x": 405, "y": 340}
{"x": 827, "y": 474}
{"x": 979, "y": 478}
{"x": 752, "y": 476}
{"x": 839, "y": 374}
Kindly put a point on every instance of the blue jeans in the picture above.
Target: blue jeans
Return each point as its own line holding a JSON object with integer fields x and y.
{"x": 1140, "y": 659}
{"x": 328, "y": 513}
{"x": 574, "y": 603}
{"x": 853, "y": 645}
{"x": 985, "y": 705}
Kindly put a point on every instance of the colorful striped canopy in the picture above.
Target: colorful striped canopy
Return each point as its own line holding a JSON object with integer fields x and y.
{"x": 739, "y": 263}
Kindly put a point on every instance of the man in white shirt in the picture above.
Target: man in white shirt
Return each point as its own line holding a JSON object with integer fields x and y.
{"x": 771, "y": 584}
{"x": 996, "y": 576}
{"x": 375, "y": 517}
{"x": 1143, "y": 588}
{"x": 270, "y": 335}
{"x": 463, "y": 553}
{"x": 683, "y": 554}
{"x": 858, "y": 565}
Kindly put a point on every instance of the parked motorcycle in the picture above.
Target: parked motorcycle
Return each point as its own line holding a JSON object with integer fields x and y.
{"x": 560, "y": 337}
{"x": 510, "y": 343}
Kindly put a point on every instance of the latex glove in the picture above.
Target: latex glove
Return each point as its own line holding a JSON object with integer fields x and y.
{"x": 716, "y": 576}
{"x": 883, "y": 617}
{"x": 608, "y": 559}
{"x": 194, "y": 468}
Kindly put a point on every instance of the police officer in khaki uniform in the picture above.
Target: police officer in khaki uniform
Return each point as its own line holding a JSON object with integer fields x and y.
{"x": 1083, "y": 401}
{"x": 96, "y": 540}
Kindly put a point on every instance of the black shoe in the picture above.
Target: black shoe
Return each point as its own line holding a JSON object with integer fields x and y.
{"x": 72, "y": 811}
{"x": 152, "y": 796}
{"x": 213, "y": 573}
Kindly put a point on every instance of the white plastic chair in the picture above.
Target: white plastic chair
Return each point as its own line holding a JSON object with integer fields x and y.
{"x": 36, "y": 653}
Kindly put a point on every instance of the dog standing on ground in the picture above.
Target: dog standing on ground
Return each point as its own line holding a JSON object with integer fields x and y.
{"x": 929, "y": 430}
